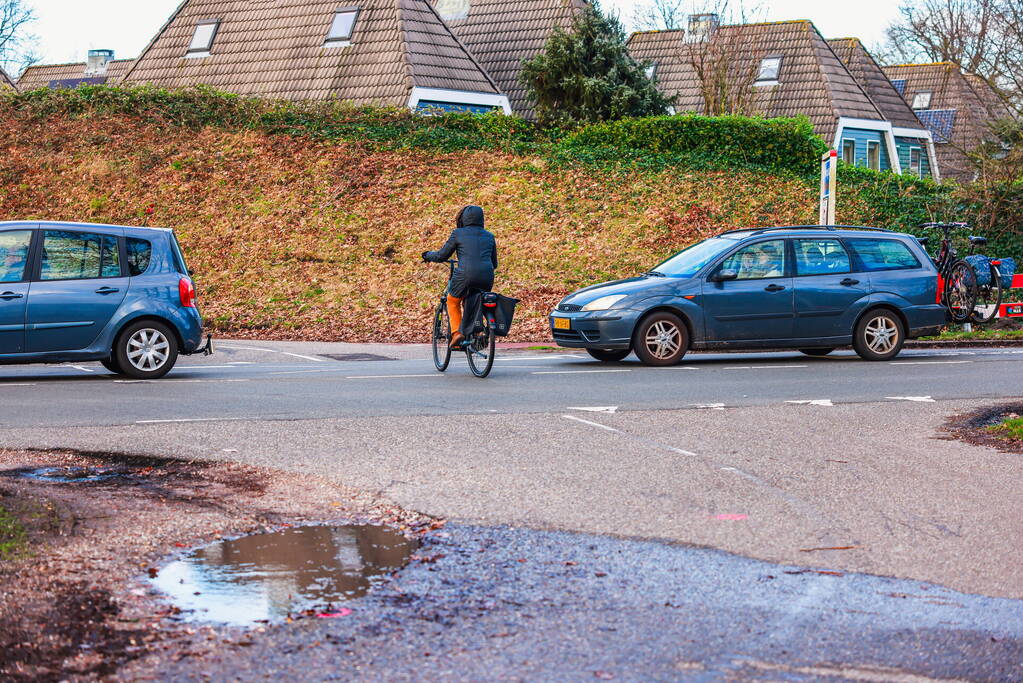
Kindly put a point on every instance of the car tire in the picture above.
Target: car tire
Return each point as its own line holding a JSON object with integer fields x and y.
{"x": 879, "y": 335}
{"x": 111, "y": 365}
{"x": 609, "y": 355}
{"x": 661, "y": 339}
{"x": 146, "y": 350}
{"x": 816, "y": 352}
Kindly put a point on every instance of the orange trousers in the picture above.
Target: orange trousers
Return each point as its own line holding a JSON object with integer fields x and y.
{"x": 455, "y": 313}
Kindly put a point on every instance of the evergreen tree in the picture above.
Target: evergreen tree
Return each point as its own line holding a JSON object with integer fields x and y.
{"x": 586, "y": 75}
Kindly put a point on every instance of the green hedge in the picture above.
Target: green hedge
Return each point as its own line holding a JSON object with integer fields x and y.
{"x": 786, "y": 145}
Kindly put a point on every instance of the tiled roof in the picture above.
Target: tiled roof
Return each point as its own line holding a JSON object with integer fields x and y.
{"x": 502, "y": 33}
{"x": 939, "y": 121}
{"x": 43, "y": 75}
{"x": 5, "y": 81}
{"x": 813, "y": 81}
{"x": 951, "y": 91}
{"x": 275, "y": 48}
{"x": 873, "y": 80}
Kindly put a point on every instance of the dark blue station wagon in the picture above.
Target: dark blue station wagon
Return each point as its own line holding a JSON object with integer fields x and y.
{"x": 82, "y": 292}
{"x": 812, "y": 288}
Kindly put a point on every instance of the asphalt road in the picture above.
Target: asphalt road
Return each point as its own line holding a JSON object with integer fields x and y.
{"x": 772, "y": 456}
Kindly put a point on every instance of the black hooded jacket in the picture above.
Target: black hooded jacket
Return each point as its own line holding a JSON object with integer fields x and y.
{"x": 476, "y": 249}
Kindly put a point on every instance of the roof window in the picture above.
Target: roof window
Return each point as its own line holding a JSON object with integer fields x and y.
{"x": 202, "y": 39}
{"x": 922, "y": 100}
{"x": 452, "y": 10}
{"x": 651, "y": 71}
{"x": 341, "y": 29}
{"x": 770, "y": 67}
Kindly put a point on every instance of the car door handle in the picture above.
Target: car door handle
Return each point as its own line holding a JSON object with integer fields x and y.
{"x": 107, "y": 290}
{"x": 7, "y": 296}
{"x": 774, "y": 288}
{"x": 849, "y": 282}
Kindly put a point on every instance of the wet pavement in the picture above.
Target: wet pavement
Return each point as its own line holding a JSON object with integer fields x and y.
{"x": 268, "y": 577}
{"x": 490, "y": 603}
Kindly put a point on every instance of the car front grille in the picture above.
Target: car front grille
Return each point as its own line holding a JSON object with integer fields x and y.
{"x": 570, "y": 308}
{"x": 590, "y": 336}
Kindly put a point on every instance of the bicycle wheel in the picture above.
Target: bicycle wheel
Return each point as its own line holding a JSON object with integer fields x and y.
{"x": 480, "y": 353}
{"x": 441, "y": 337}
{"x": 989, "y": 298}
{"x": 960, "y": 291}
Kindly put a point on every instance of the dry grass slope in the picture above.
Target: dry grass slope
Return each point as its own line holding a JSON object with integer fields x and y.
{"x": 293, "y": 238}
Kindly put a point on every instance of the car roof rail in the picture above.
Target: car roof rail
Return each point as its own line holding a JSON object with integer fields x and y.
{"x": 833, "y": 228}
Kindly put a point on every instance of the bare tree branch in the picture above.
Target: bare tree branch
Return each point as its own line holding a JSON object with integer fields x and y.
{"x": 660, "y": 15}
{"x": 17, "y": 45}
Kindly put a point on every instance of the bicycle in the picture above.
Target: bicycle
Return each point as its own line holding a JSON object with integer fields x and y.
{"x": 480, "y": 346}
{"x": 960, "y": 290}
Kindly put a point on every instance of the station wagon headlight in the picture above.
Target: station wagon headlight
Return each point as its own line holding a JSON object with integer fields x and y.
{"x": 604, "y": 302}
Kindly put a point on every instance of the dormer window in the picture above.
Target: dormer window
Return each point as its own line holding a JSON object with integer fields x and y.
{"x": 341, "y": 29}
{"x": 651, "y": 72}
{"x": 770, "y": 67}
{"x": 202, "y": 39}
{"x": 922, "y": 100}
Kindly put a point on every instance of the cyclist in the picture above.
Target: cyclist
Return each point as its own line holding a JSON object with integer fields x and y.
{"x": 477, "y": 260}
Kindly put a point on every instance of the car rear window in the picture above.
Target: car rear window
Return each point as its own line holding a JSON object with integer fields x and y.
{"x": 179, "y": 257}
{"x": 883, "y": 254}
{"x": 140, "y": 254}
{"x": 69, "y": 255}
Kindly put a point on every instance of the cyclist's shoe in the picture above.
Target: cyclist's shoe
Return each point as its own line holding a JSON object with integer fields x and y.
{"x": 456, "y": 340}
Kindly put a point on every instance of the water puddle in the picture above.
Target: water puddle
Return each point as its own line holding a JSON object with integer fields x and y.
{"x": 266, "y": 577}
{"x": 72, "y": 475}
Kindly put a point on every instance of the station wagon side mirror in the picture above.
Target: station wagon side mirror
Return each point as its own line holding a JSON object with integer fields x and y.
{"x": 724, "y": 275}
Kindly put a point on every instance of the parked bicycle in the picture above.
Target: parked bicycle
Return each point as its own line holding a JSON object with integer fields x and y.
{"x": 479, "y": 346}
{"x": 959, "y": 292}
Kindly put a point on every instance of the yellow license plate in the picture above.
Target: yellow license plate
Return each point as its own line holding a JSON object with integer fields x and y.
{"x": 562, "y": 323}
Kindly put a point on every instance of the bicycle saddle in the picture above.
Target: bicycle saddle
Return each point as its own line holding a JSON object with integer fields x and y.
{"x": 977, "y": 241}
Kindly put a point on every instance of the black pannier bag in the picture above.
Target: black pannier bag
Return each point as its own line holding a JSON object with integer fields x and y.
{"x": 503, "y": 308}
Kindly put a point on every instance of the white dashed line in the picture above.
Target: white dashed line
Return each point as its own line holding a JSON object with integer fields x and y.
{"x": 592, "y": 424}
{"x": 196, "y": 419}
{"x": 435, "y": 374}
{"x": 763, "y": 367}
{"x": 299, "y": 355}
{"x": 596, "y": 409}
{"x": 23, "y": 384}
{"x": 710, "y": 406}
{"x": 917, "y": 399}
{"x": 576, "y": 372}
{"x": 929, "y": 362}
{"x": 815, "y": 402}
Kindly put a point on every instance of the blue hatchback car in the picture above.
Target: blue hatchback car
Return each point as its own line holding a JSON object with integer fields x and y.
{"x": 812, "y": 288}
{"x": 81, "y": 292}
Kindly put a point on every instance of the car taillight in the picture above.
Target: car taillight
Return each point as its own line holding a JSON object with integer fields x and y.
{"x": 941, "y": 289}
{"x": 186, "y": 290}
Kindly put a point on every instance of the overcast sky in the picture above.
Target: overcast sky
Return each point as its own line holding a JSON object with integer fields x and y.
{"x": 67, "y": 29}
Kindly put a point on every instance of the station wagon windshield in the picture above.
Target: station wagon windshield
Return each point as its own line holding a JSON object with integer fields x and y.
{"x": 689, "y": 261}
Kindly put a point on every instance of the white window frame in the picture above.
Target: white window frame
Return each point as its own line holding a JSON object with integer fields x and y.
{"x": 873, "y": 145}
{"x": 481, "y": 99}
{"x": 342, "y": 41}
{"x": 927, "y": 139}
{"x": 887, "y": 134}
{"x": 764, "y": 81}
{"x": 651, "y": 71}
{"x": 846, "y": 141}
{"x": 922, "y": 93}
{"x": 199, "y": 52}
{"x": 919, "y": 170}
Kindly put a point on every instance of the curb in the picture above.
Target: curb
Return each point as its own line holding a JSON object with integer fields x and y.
{"x": 965, "y": 343}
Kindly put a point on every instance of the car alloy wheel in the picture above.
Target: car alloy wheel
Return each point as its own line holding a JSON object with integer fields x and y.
{"x": 148, "y": 350}
{"x": 661, "y": 339}
{"x": 882, "y": 335}
{"x": 879, "y": 335}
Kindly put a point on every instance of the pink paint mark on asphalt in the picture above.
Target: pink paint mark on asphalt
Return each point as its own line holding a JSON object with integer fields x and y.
{"x": 343, "y": 612}
{"x": 732, "y": 518}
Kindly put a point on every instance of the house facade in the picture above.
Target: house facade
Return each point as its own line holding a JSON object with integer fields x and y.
{"x": 503, "y": 33}
{"x": 914, "y": 144}
{"x": 782, "y": 69}
{"x": 955, "y": 106}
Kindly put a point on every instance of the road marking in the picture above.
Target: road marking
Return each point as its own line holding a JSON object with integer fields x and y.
{"x": 196, "y": 419}
{"x": 299, "y": 355}
{"x": 929, "y": 362}
{"x": 918, "y": 399}
{"x": 244, "y": 348}
{"x": 80, "y": 367}
{"x": 710, "y": 406}
{"x": 815, "y": 402}
{"x": 206, "y": 367}
{"x": 301, "y": 372}
{"x": 684, "y": 367}
{"x": 22, "y": 384}
{"x": 763, "y": 367}
{"x": 179, "y": 381}
{"x": 435, "y": 374}
{"x": 592, "y": 424}
{"x": 241, "y": 362}
{"x": 596, "y": 409}
{"x": 575, "y": 372}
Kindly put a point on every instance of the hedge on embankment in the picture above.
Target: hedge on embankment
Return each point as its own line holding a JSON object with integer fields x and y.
{"x": 308, "y": 226}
